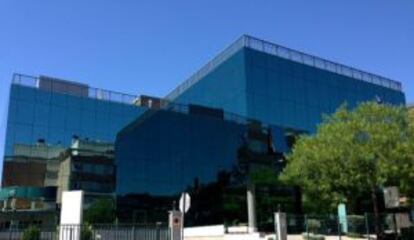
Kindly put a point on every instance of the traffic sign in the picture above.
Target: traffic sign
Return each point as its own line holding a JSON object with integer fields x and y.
{"x": 185, "y": 202}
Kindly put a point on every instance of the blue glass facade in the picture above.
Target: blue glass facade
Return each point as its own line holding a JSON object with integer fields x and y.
{"x": 262, "y": 83}
{"x": 295, "y": 95}
{"x": 55, "y": 117}
{"x": 284, "y": 91}
{"x": 165, "y": 152}
{"x": 45, "y": 117}
{"x": 225, "y": 87}
{"x": 173, "y": 149}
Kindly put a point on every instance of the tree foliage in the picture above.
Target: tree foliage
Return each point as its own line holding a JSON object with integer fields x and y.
{"x": 411, "y": 115}
{"x": 31, "y": 233}
{"x": 101, "y": 211}
{"x": 354, "y": 152}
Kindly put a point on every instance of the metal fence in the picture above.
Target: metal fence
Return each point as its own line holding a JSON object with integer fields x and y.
{"x": 299, "y": 227}
{"x": 317, "y": 62}
{"x": 356, "y": 227}
{"x": 90, "y": 232}
{"x": 83, "y": 91}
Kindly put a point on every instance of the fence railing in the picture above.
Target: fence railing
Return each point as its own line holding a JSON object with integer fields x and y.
{"x": 89, "y": 232}
{"x": 355, "y": 227}
{"x": 299, "y": 227}
{"x": 55, "y": 85}
{"x": 228, "y": 116}
{"x": 317, "y": 62}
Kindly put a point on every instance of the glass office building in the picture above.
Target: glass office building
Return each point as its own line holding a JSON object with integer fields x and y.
{"x": 253, "y": 83}
{"x": 45, "y": 114}
{"x": 281, "y": 86}
{"x": 239, "y": 113}
{"x": 206, "y": 152}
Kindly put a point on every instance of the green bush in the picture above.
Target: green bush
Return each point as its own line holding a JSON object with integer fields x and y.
{"x": 31, "y": 233}
{"x": 407, "y": 233}
{"x": 354, "y": 235}
{"x": 356, "y": 225}
{"x": 313, "y": 225}
{"x": 312, "y": 237}
{"x": 86, "y": 232}
{"x": 100, "y": 211}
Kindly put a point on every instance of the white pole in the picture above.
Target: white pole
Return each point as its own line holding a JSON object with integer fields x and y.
{"x": 183, "y": 195}
{"x": 251, "y": 207}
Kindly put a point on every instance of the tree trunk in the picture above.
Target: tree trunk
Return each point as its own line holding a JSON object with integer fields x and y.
{"x": 376, "y": 215}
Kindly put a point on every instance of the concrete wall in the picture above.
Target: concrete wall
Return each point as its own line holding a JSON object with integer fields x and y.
{"x": 63, "y": 178}
{"x": 219, "y": 232}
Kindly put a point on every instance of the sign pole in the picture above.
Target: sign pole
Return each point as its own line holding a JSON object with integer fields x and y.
{"x": 184, "y": 205}
{"x": 175, "y": 224}
{"x": 183, "y": 196}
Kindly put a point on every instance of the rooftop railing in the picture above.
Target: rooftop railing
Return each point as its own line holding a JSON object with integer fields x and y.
{"x": 206, "y": 69}
{"x": 227, "y": 116}
{"x": 95, "y": 93}
{"x": 307, "y": 59}
{"x": 286, "y": 53}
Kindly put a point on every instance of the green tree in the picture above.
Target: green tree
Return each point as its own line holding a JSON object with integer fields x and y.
{"x": 31, "y": 233}
{"x": 101, "y": 211}
{"x": 354, "y": 152}
{"x": 411, "y": 115}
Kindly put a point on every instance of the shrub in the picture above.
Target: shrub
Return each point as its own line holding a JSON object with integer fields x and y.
{"x": 31, "y": 233}
{"x": 407, "y": 233}
{"x": 100, "y": 211}
{"x": 356, "y": 225}
{"x": 312, "y": 237}
{"x": 354, "y": 235}
{"x": 313, "y": 225}
{"x": 86, "y": 232}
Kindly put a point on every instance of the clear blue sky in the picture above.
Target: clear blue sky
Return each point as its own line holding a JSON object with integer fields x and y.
{"x": 150, "y": 46}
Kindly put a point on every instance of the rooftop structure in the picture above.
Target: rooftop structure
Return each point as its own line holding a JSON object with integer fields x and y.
{"x": 57, "y": 85}
{"x": 88, "y": 166}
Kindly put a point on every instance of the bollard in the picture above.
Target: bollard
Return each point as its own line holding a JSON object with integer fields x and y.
{"x": 367, "y": 226}
{"x": 339, "y": 229}
{"x": 307, "y": 226}
{"x": 158, "y": 229}
{"x": 280, "y": 226}
{"x": 394, "y": 223}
